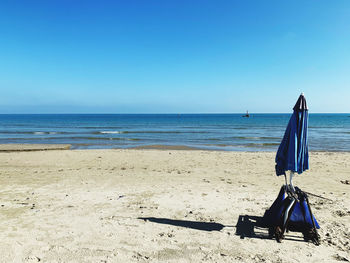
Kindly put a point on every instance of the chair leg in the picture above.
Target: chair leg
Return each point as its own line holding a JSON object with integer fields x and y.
{"x": 314, "y": 236}
{"x": 280, "y": 229}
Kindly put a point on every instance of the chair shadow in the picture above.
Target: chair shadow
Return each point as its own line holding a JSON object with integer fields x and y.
{"x": 254, "y": 227}
{"x": 204, "y": 226}
{"x": 247, "y": 226}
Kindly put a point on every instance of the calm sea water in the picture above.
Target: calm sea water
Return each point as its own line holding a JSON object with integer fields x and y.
{"x": 260, "y": 132}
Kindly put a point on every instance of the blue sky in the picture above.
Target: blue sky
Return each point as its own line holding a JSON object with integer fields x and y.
{"x": 173, "y": 56}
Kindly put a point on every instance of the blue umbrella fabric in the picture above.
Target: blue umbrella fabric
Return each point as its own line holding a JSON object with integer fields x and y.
{"x": 293, "y": 152}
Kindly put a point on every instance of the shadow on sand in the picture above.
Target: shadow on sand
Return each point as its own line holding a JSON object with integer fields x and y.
{"x": 251, "y": 227}
{"x": 254, "y": 227}
{"x": 247, "y": 227}
{"x": 204, "y": 226}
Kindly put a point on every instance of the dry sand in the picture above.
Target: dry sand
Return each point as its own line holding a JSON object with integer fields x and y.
{"x": 86, "y": 205}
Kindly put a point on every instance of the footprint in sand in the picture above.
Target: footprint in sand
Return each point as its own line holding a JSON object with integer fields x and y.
{"x": 341, "y": 213}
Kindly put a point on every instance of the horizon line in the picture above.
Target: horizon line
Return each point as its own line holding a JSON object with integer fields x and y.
{"x": 165, "y": 113}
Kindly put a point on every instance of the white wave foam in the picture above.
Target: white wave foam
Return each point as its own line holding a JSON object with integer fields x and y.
{"x": 110, "y": 132}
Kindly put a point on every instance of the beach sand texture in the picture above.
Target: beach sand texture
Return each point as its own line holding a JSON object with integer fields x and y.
{"x": 162, "y": 206}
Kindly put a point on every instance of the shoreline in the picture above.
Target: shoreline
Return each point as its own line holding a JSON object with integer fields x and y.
{"x": 28, "y": 147}
{"x": 24, "y": 147}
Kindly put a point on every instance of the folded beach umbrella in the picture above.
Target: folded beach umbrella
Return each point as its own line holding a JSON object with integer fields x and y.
{"x": 291, "y": 209}
{"x": 293, "y": 154}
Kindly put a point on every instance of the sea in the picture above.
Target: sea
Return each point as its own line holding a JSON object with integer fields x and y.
{"x": 229, "y": 132}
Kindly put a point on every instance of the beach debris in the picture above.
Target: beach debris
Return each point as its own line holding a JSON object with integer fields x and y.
{"x": 341, "y": 213}
{"x": 340, "y": 258}
{"x": 33, "y": 259}
{"x": 139, "y": 255}
{"x": 345, "y": 181}
{"x": 308, "y": 193}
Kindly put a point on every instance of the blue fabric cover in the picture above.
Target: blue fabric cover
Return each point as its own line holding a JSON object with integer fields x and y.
{"x": 273, "y": 216}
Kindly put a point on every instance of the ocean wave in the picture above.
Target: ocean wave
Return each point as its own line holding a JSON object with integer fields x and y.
{"x": 261, "y": 144}
{"x": 150, "y": 132}
{"x": 99, "y": 127}
{"x": 71, "y": 139}
{"x": 34, "y": 132}
{"x": 256, "y": 138}
{"x": 40, "y": 133}
{"x": 49, "y": 133}
{"x": 109, "y": 132}
{"x": 97, "y": 138}
{"x": 16, "y": 132}
{"x": 253, "y": 138}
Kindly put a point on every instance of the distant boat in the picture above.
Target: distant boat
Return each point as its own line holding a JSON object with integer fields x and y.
{"x": 246, "y": 115}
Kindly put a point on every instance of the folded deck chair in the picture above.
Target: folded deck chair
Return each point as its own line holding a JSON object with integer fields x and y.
{"x": 291, "y": 211}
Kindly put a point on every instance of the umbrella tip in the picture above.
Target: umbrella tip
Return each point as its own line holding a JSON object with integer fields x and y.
{"x": 301, "y": 103}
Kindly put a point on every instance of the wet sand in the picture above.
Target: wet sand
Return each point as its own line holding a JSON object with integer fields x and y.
{"x": 32, "y": 147}
{"x": 165, "y": 147}
{"x": 162, "y": 206}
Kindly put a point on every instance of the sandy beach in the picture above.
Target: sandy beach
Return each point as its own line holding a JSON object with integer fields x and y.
{"x": 151, "y": 205}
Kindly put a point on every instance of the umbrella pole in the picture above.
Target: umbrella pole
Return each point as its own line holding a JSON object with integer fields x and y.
{"x": 290, "y": 181}
{"x": 285, "y": 178}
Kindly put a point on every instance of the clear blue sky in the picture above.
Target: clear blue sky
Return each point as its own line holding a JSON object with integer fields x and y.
{"x": 175, "y": 56}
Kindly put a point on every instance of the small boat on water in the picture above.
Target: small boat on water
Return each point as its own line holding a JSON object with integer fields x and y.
{"x": 246, "y": 115}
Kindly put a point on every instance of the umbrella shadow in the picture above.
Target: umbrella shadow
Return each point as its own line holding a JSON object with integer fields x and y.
{"x": 254, "y": 227}
{"x": 203, "y": 226}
